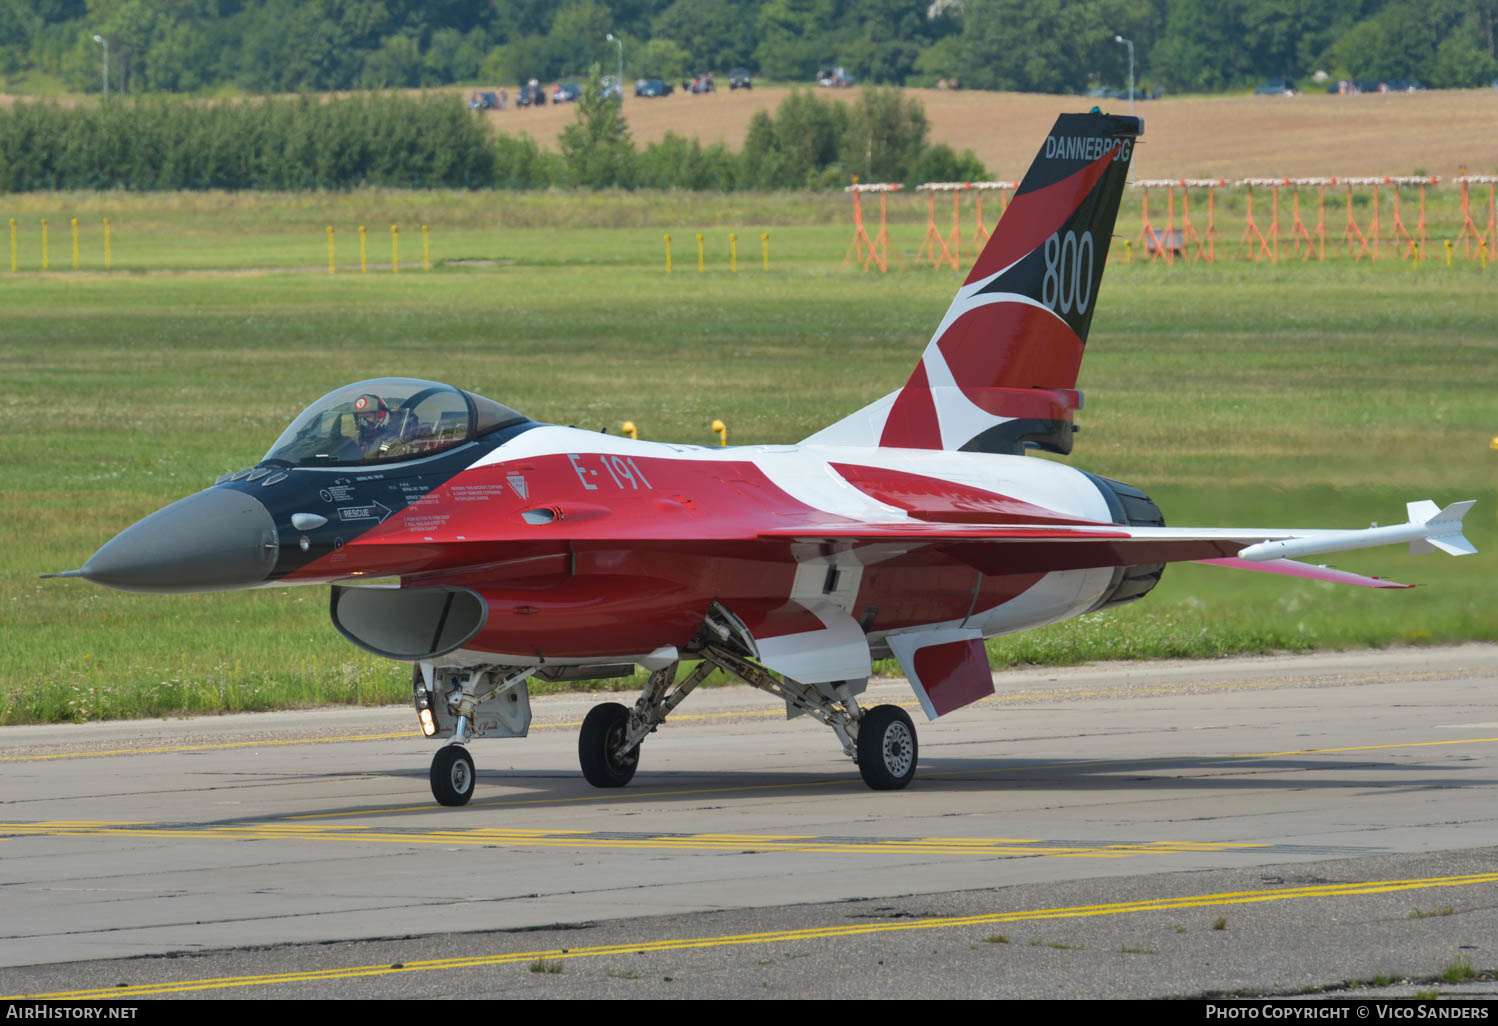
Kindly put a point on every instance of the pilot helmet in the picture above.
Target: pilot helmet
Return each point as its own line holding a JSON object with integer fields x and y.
{"x": 370, "y": 412}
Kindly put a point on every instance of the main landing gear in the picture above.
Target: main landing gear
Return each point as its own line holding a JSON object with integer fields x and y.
{"x": 881, "y": 740}
{"x": 493, "y": 701}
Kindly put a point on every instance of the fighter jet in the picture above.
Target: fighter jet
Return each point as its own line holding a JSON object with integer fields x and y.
{"x": 489, "y": 550}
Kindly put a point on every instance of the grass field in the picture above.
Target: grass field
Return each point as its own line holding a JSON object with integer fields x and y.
{"x": 1291, "y": 395}
{"x": 191, "y": 231}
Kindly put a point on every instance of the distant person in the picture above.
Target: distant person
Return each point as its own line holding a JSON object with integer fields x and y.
{"x": 504, "y": 100}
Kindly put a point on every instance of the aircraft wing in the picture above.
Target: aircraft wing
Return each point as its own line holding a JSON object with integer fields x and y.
{"x": 1022, "y": 548}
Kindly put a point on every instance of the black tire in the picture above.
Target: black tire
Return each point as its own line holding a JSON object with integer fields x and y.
{"x": 603, "y": 731}
{"x": 886, "y": 748}
{"x": 452, "y": 775}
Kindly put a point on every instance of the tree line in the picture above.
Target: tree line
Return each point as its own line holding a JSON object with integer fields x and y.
{"x": 164, "y": 142}
{"x": 262, "y": 46}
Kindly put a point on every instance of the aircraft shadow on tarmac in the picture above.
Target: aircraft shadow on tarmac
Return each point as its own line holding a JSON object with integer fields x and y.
{"x": 521, "y": 788}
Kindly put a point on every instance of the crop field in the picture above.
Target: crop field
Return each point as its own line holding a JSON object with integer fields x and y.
{"x": 1438, "y": 132}
{"x": 1294, "y": 395}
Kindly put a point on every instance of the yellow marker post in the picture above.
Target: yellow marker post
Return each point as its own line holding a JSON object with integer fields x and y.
{"x": 628, "y": 427}
{"x": 363, "y": 262}
{"x": 426, "y": 249}
{"x": 733, "y": 252}
{"x": 75, "y": 243}
{"x": 1128, "y": 252}
{"x": 1494, "y": 444}
{"x": 46, "y": 257}
{"x": 668, "y": 254}
{"x": 15, "y": 256}
{"x": 332, "y": 265}
{"x": 700, "y": 260}
{"x": 1448, "y": 252}
{"x": 395, "y": 250}
{"x": 721, "y": 430}
{"x": 764, "y": 241}
{"x": 108, "y": 255}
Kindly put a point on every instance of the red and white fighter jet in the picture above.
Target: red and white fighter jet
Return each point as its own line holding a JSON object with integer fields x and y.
{"x": 913, "y": 528}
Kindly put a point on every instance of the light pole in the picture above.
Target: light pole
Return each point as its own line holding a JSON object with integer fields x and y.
{"x": 1130, "y": 44}
{"x": 619, "y": 78}
{"x": 104, "y": 43}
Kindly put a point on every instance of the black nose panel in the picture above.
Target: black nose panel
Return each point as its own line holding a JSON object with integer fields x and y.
{"x": 212, "y": 541}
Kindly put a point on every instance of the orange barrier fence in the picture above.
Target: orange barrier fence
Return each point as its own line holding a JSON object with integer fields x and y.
{"x": 1264, "y": 235}
{"x": 1382, "y": 216}
{"x": 1470, "y": 237}
{"x": 1171, "y": 243}
{"x": 871, "y": 252}
{"x": 1005, "y": 190}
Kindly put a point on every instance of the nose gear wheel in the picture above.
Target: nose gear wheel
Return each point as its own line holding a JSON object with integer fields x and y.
{"x": 452, "y": 775}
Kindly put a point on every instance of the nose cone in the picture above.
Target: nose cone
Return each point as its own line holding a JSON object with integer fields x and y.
{"x": 212, "y": 541}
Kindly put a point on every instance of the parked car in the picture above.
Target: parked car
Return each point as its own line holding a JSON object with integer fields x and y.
{"x": 652, "y": 87}
{"x": 530, "y": 96}
{"x": 700, "y": 84}
{"x": 484, "y": 101}
{"x": 566, "y": 92}
{"x": 834, "y": 78}
{"x": 739, "y": 78}
{"x": 1276, "y": 87}
{"x": 1109, "y": 93}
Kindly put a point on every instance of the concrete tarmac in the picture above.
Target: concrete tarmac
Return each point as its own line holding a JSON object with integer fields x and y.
{"x": 1293, "y": 824}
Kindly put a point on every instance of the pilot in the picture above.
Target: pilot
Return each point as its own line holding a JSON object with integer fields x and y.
{"x": 372, "y": 419}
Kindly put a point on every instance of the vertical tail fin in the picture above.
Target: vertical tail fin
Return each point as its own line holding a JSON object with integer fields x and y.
{"x": 1000, "y": 373}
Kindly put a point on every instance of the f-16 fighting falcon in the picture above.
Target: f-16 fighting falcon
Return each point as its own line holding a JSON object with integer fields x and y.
{"x": 487, "y": 549}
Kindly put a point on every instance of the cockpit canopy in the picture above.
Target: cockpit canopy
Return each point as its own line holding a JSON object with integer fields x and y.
{"x": 387, "y": 419}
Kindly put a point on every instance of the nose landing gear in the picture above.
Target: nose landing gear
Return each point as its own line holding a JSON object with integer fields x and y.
{"x": 452, "y": 775}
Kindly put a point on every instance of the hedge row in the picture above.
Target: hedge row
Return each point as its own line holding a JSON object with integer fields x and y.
{"x": 169, "y": 143}
{"x": 162, "y": 143}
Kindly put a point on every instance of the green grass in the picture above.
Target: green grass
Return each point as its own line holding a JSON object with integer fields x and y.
{"x": 1459, "y": 971}
{"x": 1444, "y": 910}
{"x": 217, "y": 230}
{"x": 1315, "y": 396}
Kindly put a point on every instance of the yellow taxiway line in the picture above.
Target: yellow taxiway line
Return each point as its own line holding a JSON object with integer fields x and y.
{"x": 578, "y": 840}
{"x": 772, "y": 937}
